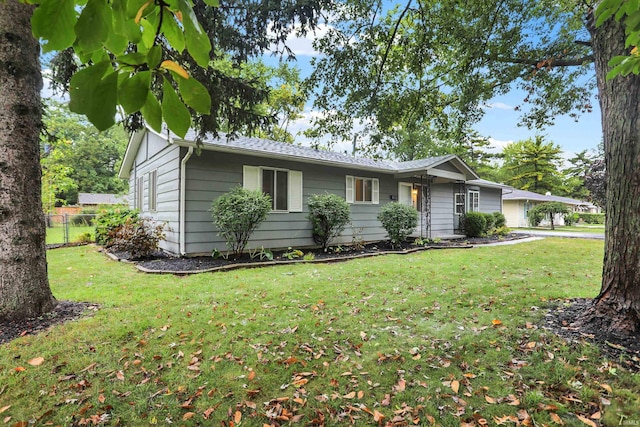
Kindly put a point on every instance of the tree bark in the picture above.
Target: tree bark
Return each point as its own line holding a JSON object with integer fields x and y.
{"x": 618, "y": 304}
{"x": 24, "y": 286}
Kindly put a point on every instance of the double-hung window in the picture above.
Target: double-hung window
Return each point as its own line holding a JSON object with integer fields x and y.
{"x": 362, "y": 190}
{"x": 474, "y": 201}
{"x": 153, "y": 191}
{"x": 139, "y": 192}
{"x": 283, "y": 185}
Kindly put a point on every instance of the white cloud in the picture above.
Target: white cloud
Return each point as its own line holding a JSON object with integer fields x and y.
{"x": 499, "y": 106}
{"x": 303, "y": 45}
{"x": 497, "y": 145}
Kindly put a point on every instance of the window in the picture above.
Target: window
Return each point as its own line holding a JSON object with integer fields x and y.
{"x": 139, "y": 193}
{"x": 276, "y": 184}
{"x": 362, "y": 190}
{"x": 459, "y": 201}
{"x": 284, "y": 186}
{"x": 153, "y": 190}
{"x": 474, "y": 201}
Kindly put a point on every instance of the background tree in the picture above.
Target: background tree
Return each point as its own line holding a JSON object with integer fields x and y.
{"x": 547, "y": 210}
{"x": 533, "y": 165}
{"x": 89, "y": 158}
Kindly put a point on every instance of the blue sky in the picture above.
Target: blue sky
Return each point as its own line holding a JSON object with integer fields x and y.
{"x": 500, "y": 122}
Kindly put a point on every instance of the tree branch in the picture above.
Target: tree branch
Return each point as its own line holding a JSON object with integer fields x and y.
{"x": 390, "y": 42}
{"x": 546, "y": 63}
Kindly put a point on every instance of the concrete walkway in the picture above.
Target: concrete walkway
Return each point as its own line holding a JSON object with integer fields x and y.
{"x": 568, "y": 234}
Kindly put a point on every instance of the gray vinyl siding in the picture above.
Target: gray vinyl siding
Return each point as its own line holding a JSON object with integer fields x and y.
{"x": 442, "y": 209}
{"x": 155, "y": 154}
{"x": 212, "y": 174}
{"x": 490, "y": 200}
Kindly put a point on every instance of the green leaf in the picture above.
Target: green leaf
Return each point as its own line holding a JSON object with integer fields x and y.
{"x": 133, "y": 58}
{"x": 93, "y": 26}
{"x": 53, "y": 21}
{"x": 173, "y": 32}
{"x": 152, "y": 112}
{"x": 116, "y": 43}
{"x": 133, "y": 6}
{"x": 148, "y": 33}
{"x": 197, "y": 41}
{"x": 174, "y": 113}
{"x": 195, "y": 95}
{"x": 93, "y": 93}
{"x": 123, "y": 24}
{"x": 154, "y": 57}
{"x": 132, "y": 91}
{"x": 213, "y": 3}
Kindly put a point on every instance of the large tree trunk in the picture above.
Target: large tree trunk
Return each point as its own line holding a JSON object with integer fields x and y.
{"x": 619, "y": 301}
{"x": 24, "y": 287}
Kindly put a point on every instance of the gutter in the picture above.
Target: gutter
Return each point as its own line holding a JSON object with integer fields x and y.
{"x": 183, "y": 201}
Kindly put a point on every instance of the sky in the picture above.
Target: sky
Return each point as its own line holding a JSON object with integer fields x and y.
{"x": 499, "y": 124}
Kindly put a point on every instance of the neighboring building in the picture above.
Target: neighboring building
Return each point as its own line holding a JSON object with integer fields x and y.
{"x": 516, "y": 205}
{"x": 169, "y": 182}
{"x": 92, "y": 200}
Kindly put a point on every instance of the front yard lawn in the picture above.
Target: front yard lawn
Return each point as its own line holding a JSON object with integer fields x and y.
{"x": 447, "y": 337}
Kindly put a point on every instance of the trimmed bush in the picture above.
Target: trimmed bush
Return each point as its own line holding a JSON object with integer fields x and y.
{"x": 108, "y": 223}
{"x": 138, "y": 236}
{"x": 398, "y": 220}
{"x": 490, "y": 222}
{"x": 474, "y": 224}
{"x": 592, "y": 218}
{"x": 570, "y": 219}
{"x": 500, "y": 220}
{"x": 237, "y": 214}
{"x": 329, "y": 215}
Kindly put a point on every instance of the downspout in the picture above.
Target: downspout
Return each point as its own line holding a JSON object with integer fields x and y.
{"x": 183, "y": 201}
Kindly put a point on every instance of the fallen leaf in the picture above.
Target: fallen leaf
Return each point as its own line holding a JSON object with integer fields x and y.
{"x": 120, "y": 375}
{"x": 556, "y": 418}
{"x": 378, "y": 416}
{"x": 4, "y": 408}
{"x": 20, "y": 369}
{"x": 596, "y": 416}
{"x": 350, "y": 395}
{"x": 587, "y": 421}
{"x": 496, "y": 322}
{"x": 607, "y": 387}
{"x": 252, "y": 375}
{"x": 455, "y": 386}
{"x": 531, "y": 344}
{"x": 237, "y": 417}
{"x": 489, "y": 399}
{"x": 101, "y": 398}
{"x": 37, "y": 361}
{"x": 360, "y": 394}
{"x": 188, "y": 416}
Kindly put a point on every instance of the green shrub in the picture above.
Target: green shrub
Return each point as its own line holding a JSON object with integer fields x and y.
{"x": 237, "y": 214}
{"x": 592, "y": 218}
{"x": 84, "y": 238}
{"x": 329, "y": 215}
{"x": 500, "y": 220}
{"x": 570, "y": 219}
{"x": 501, "y": 231}
{"x": 398, "y": 220}
{"x": 490, "y": 222}
{"x": 535, "y": 217}
{"x": 474, "y": 224}
{"x": 108, "y": 223}
{"x": 138, "y": 236}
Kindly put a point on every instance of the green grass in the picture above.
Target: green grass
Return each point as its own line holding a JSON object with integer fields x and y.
{"x": 55, "y": 234}
{"x": 446, "y": 336}
{"x": 595, "y": 229}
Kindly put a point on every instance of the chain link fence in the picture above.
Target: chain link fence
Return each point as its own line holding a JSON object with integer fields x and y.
{"x": 70, "y": 228}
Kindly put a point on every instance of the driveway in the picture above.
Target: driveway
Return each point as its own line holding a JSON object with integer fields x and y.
{"x": 569, "y": 234}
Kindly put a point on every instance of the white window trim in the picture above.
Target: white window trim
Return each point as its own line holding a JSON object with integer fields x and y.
{"x": 252, "y": 180}
{"x": 139, "y": 193}
{"x": 350, "y": 193}
{"x": 470, "y": 200}
{"x": 406, "y": 185}
{"x": 153, "y": 191}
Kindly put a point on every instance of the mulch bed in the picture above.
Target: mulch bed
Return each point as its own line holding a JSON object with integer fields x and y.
{"x": 63, "y": 312}
{"x": 165, "y": 263}
{"x": 561, "y": 319}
